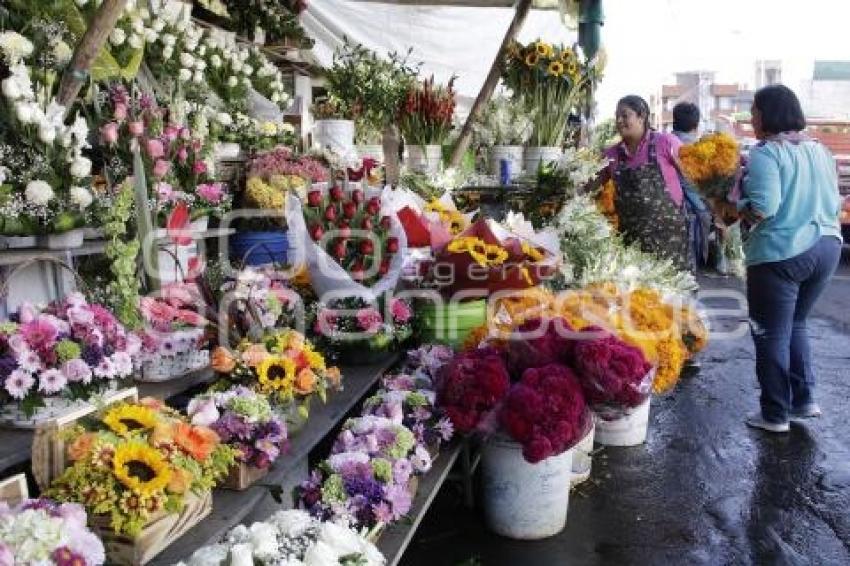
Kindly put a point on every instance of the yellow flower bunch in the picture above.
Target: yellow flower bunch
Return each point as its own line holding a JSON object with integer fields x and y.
{"x": 712, "y": 157}
{"x": 454, "y": 220}
{"x": 276, "y": 375}
{"x": 262, "y": 195}
{"x": 485, "y": 255}
{"x": 605, "y": 203}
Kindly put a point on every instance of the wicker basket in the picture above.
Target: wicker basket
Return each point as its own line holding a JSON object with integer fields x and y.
{"x": 242, "y": 476}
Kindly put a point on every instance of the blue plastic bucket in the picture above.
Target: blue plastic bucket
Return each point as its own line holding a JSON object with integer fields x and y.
{"x": 258, "y": 248}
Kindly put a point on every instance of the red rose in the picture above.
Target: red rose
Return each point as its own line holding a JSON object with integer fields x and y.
{"x": 392, "y": 245}
{"x": 314, "y": 198}
{"x": 337, "y": 193}
{"x": 339, "y": 248}
{"x": 344, "y": 229}
{"x": 358, "y": 273}
{"x": 316, "y": 232}
{"x": 375, "y": 201}
{"x": 385, "y": 222}
{"x": 372, "y": 209}
{"x": 349, "y": 209}
{"x": 384, "y": 268}
{"x": 330, "y": 213}
{"x": 367, "y": 247}
{"x": 357, "y": 196}
{"x": 367, "y": 224}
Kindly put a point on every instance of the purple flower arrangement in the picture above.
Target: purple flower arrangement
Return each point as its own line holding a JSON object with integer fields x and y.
{"x": 367, "y": 478}
{"x": 71, "y": 348}
{"x": 244, "y": 420}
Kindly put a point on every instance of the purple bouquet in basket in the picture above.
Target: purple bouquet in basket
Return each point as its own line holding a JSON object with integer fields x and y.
{"x": 414, "y": 408}
{"x": 71, "y": 348}
{"x": 361, "y": 490}
{"x": 243, "y": 420}
{"x": 382, "y": 438}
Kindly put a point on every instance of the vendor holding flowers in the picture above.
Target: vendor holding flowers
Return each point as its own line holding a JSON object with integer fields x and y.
{"x": 649, "y": 199}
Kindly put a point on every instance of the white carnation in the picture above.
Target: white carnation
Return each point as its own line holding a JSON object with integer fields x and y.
{"x": 247, "y": 70}
{"x": 264, "y": 540}
{"x": 215, "y": 61}
{"x": 117, "y": 37}
{"x": 15, "y": 46}
{"x": 187, "y": 60}
{"x": 169, "y": 40}
{"x": 38, "y": 193}
{"x": 81, "y": 167}
{"x": 232, "y": 82}
{"x": 185, "y": 75}
{"x": 136, "y": 41}
{"x": 46, "y": 133}
{"x": 151, "y": 35}
{"x": 158, "y": 26}
{"x": 198, "y": 77}
{"x": 81, "y": 197}
{"x": 200, "y": 65}
{"x": 167, "y": 53}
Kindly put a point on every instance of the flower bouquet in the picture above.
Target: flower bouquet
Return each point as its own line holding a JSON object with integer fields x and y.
{"x": 284, "y": 366}
{"x": 712, "y": 163}
{"x": 244, "y": 420}
{"x": 353, "y": 249}
{"x": 355, "y": 331}
{"x": 45, "y": 180}
{"x": 259, "y": 300}
{"x": 174, "y": 334}
{"x": 71, "y": 349}
{"x": 143, "y": 473}
{"x": 293, "y": 537}
{"x": 250, "y": 133}
{"x": 425, "y": 119}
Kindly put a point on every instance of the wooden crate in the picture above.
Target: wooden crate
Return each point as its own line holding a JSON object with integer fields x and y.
{"x": 14, "y": 490}
{"x": 242, "y": 476}
{"x": 160, "y": 532}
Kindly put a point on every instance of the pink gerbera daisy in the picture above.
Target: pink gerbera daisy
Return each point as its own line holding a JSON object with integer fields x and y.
{"x": 51, "y": 381}
{"x": 19, "y": 383}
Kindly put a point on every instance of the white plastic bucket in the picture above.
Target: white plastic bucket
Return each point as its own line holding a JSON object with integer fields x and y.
{"x": 65, "y": 240}
{"x": 534, "y": 155}
{"x": 513, "y": 153}
{"x": 375, "y": 152}
{"x": 628, "y": 430}
{"x": 524, "y": 501}
{"x": 336, "y": 134}
{"x": 424, "y": 158}
{"x": 582, "y": 459}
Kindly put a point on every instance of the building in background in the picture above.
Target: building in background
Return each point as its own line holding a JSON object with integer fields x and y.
{"x": 827, "y": 94}
{"x": 716, "y": 101}
{"x": 768, "y": 72}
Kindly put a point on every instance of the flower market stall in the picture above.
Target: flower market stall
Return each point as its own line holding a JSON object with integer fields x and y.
{"x": 223, "y": 345}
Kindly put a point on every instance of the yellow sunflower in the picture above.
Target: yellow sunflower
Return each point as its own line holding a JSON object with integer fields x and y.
{"x": 496, "y": 255}
{"x": 543, "y": 49}
{"x": 531, "y": 59}
{"x": 315, "y": 359}
{"x": 478, "y": 251}
{"x": 435, "y": 206}
{"x": 276, "y": 374}
{"x": 567, "y": 55}
{"x": 124, "y": 419}
{"x": 457, "y": 223}
{"x": 463, "y": 244}
{"x": 531, "y": 252}
{"x": 141, "y": 468}
{"x": 556, "y": 68}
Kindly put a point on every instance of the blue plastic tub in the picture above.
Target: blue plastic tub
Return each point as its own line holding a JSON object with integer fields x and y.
{"x": 258, "y": 248}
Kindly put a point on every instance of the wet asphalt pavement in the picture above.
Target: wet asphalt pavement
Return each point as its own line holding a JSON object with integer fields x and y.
{"x": 705, "y": 489}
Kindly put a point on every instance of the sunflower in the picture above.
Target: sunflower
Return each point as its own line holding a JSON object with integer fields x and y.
{"x": 496, "y": 255}
{"x": 463, "y": 244}
{"x": 435, "y": 206}
{"x": 532, "y": 253}
{"x": 567, "y": 55}
{"x": 141, "y": 468}
{"x": 543, "y": 49}
{"x": 478, "y": 251}
{"x": 456, "y": 224}
{"x": 531, "y": 59}
{"x": 124, "y": 419}
{"x": 315, "y": 359}
{"x": 276, "y": 373}
{"x": 556, "y": 68}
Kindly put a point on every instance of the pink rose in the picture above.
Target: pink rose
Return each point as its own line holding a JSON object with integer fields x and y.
{"x": 400, "y": 310}
{"x": 109, "y": 133}
{"x": 211, "y": 192}
{"x": 171, "y": 132}
{"x": 136, "y": 128}
{"x": 154, "y": 148}
{"x": 161, "y": 168}
{"x": 199, "y": 168}
{"x": 370, "y": 320}
{"x": 185, "y": 133}
{"x": 164, "y": 191}
{"x": 183, "y": 155}
{"x": 120, "y": 112}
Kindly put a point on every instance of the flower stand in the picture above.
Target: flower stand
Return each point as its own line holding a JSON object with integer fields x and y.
{"x": 159, "y": 533}
{"x": 18, "y": 242}
{"x": 363, "y": 353}
{"x": 242, "y": 476}
{"x": 13, "y": 416}
{"x": 628, "y": 430}
{"x": 524, "y": 501}
{"x": 425, "y": 158}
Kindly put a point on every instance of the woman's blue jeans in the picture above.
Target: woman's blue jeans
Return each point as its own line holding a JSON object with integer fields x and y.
{"x": 781, "y": 295}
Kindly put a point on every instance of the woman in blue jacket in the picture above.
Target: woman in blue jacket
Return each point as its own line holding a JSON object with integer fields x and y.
{"x": 792, "y": 204}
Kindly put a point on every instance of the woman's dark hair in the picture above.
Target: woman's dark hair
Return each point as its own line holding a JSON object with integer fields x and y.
{"x": 685, "y": 117}
{"x": 780, "y": 110}
{"x": 639, "y": 105}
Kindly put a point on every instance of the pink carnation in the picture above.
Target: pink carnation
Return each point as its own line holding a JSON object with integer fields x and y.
{"x": 213, "y": 193}
{"x": 400, "y": 310}
{"x": 370, "y": 320}
{"x": 154, "y": 148}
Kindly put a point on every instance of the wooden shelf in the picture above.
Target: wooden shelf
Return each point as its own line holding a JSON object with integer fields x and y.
{"x": 17, "y": 256}
{"x": 396, "y": 538}
{"x": 230, "y": 508}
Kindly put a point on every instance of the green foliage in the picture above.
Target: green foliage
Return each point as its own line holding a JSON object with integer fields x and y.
{"x": 122, "y": 249}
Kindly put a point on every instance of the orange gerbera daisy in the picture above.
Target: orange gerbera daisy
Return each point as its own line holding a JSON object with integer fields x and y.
{"x": 197, "y": 441}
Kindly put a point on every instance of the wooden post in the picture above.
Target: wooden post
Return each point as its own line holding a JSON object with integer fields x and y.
{"x": 522, "y": 8}
{"x": 87, "y": 50}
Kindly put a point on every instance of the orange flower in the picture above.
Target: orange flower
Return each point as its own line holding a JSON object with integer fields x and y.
{"x": 221, "y": 360}
{"x": 197, "y": 441}
{"x": 305, "y": 381}
{"x": 81, "y": 447}
{"x": 334, "y": 377}
{"x": 254, "y": 355}
{"x": 180, "y": 481}
{"x": 162, "y": 435}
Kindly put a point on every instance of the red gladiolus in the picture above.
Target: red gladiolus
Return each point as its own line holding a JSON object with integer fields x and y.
{"x": 367, "y": 247}
{"x": 330, "y": 213}
{"x": 392, "y": 245}
{"x": 314, "y": 198}
{"x": 349, "y": 209}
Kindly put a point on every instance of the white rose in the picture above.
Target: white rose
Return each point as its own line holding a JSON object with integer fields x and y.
{"x": 169, "y": 40}
{"x": 81, "y": 197}
{"x": 215, "y": 61}
{"x": 24, "y": 112}
{"x": 237, "y": 66}
{"x": 232, "y": 82}
{"x": 200, "y": 65}
{"x": 117, "y": 37}
{"x": 158, "y": 25}
{"x": 247, "y": 70}
{"x": 167, "y": 53}
{"x": 11, "y": 89}
{"x": 151, "y": 35}
{"x": 38, "y": 193}
{"x": 46, "y": 133}
{"x": 224, "y": 119}
{"x": 138, "y": 25}
{"x": 81, "y": 167}
{"x": 136, "y": 41}
{"x": 246, "y": 81}
{"x": 191, "y": 45}
{"x": 185, "y": 75}
{"x": 187, "y": 60}
{"x": 198, "y": 77}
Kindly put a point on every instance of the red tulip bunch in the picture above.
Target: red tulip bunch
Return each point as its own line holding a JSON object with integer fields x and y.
{"x": 352, "y": 231}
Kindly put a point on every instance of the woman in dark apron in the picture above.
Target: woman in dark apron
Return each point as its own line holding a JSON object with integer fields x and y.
{"x": 649, "y": 199}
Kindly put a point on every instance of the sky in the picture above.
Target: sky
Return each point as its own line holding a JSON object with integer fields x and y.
{"x": 649, "y": 40}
